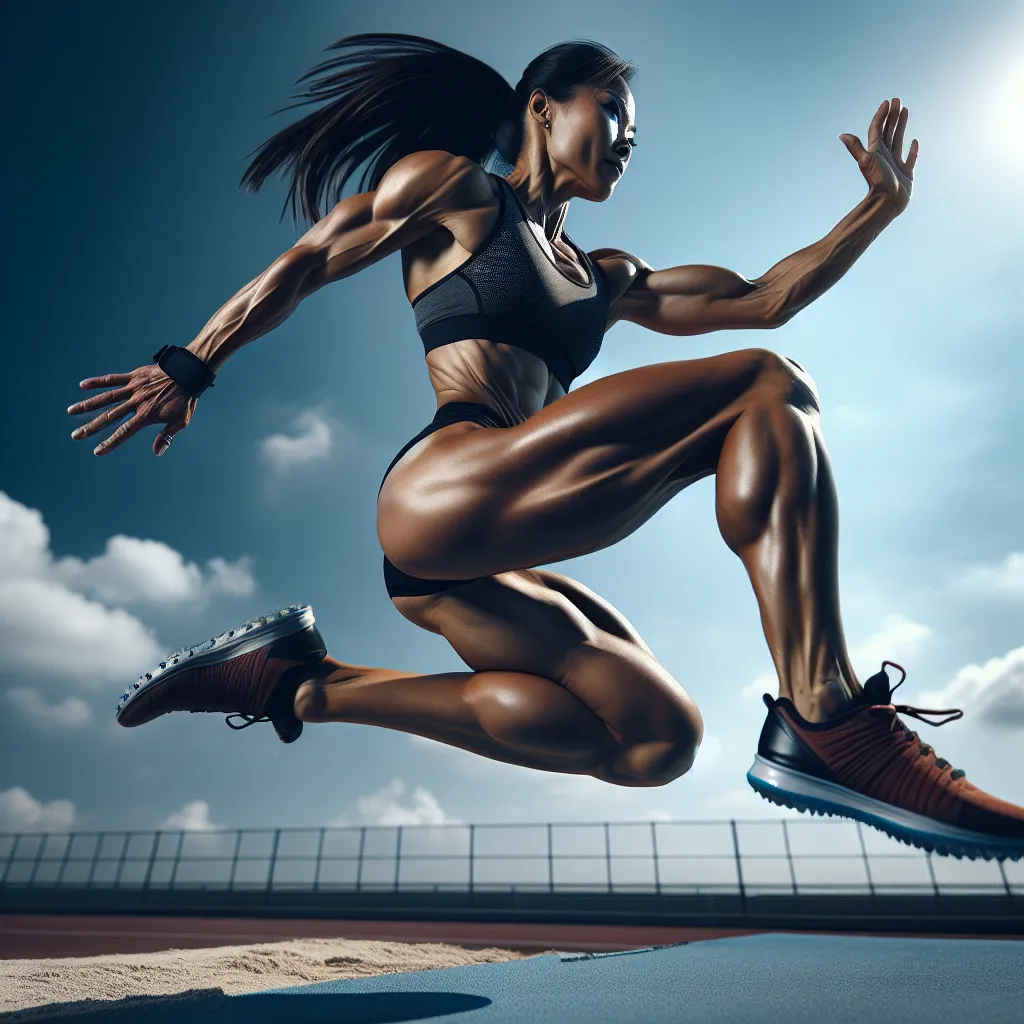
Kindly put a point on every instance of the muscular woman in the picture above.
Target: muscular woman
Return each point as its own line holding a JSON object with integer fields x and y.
{"x": 517, "y": 471}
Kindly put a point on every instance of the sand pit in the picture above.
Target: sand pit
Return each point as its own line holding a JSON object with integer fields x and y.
{"x": 31, "y": 989}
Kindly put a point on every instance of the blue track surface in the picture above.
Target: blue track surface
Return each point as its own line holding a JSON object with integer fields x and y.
{"x": 764, "y": 979}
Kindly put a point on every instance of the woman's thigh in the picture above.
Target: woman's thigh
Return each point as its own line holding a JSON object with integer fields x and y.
{"x": 539, "y": 622}
{"x": 580, "y": 475}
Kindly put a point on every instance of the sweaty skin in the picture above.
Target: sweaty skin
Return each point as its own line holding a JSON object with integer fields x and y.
{"x": 560, "y": 680}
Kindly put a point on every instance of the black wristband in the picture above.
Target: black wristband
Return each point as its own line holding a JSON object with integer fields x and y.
{"x": 185, "y": 368}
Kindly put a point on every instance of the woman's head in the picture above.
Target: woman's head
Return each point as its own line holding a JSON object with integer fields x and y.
{"x": 574, "y": 105}
{"x": 382, "y": 100}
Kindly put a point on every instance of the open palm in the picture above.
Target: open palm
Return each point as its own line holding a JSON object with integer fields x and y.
{"x": 882, "y": 164}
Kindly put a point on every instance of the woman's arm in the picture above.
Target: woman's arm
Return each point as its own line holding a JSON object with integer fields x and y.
{"x": 697, "y": 299}
{"x": 410, "y": 202}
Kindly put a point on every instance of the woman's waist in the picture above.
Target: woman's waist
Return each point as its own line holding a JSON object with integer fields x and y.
{"x": 514, "y": 383}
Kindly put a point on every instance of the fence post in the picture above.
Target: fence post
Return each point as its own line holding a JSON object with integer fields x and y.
{"x": 739, "y": 865}
{"x": 551, "y": 862}
{"x": 398, "y": 855}
{"x": 177, "y": 860}
{"x": 654, "y": 847}
{"x": 1006, "y": 884}
{"x": 867, "y": 864}
{"x": 273, "y": 862}
{"x": 471, "y": 841}
{"x": 39, "y": 856}
{"x": 153, "y": 859}
{"x": 100, "y": 836}
{"x": 931, "y": 872}
{"x": 10, "y": 857}
{"x": 359, "y": 865}
{"x": 234, "y": 860}
{"x": 120, "y": 863}
{"x": 789, "y": 855}
{"x": 319, "y": 858}
{"x": 608, "y": 855}
{"x": 64, "y": 859}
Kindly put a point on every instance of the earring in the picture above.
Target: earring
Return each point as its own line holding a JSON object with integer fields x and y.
{"x": 547, "y": 124}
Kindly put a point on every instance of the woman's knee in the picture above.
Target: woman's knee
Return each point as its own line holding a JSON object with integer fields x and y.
{"x": 788, "y": 381}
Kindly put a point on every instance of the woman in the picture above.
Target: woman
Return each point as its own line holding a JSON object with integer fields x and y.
{"x": 514, "y": 472}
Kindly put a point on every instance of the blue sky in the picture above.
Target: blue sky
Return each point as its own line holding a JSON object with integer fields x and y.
{"x": 128, "y": 231}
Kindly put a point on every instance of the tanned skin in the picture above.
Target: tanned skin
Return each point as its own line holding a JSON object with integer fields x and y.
{"x": 560, "y": 680}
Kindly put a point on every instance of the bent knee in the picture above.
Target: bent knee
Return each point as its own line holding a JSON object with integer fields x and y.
{"x": 659, "y": 762}
{"x": 789, "y": 380}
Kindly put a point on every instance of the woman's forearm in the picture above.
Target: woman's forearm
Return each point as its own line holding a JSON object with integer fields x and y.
{"x": 259, "y": 307}
{"x": 798, "y": 280}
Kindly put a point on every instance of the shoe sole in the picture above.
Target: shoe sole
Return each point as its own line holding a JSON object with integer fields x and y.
{"x": 250, "y": 636}
{"x": 787, "y": 787}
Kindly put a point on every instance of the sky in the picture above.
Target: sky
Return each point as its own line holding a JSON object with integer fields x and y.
{"x": 127, "y": 128}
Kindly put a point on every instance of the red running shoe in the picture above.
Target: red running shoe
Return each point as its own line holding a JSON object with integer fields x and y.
{"x": 867, "y": 765}
{"x": 237, "y": 671}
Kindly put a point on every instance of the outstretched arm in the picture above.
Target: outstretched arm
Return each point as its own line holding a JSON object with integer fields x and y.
{"x": 698, "y": 299}
{"x": 414, "y": 197}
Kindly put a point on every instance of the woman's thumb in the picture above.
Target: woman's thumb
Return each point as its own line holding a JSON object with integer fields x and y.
{"x": 853, "y": 144}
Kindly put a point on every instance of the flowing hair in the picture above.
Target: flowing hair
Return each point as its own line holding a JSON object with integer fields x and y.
{"x": 384, "y": 97}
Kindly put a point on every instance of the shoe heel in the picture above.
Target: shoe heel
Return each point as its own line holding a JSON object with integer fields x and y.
{"x": 305, "y": 645}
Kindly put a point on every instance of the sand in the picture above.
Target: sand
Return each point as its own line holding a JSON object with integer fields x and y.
{"x": 33, "y": 989}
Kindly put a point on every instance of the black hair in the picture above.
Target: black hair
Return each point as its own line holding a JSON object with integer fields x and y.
{"x": 383, "y": 93}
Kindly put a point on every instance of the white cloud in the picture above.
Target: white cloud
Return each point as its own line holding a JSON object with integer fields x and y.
{"x": 385, "y": 807}
{"x": 767, "y": 682}
{"x": 48, "y": 629}
{"x": 133, "y": 570}
{"x": 311, "y": 440}
{"x": 21, "y": 812}
{"x": 992, "y": 693}
{"x": 66, "y": 714}
{"x": 1007, "y": 578}
{"x": 659, "y": 815}
{"x": 193, "y": 817}
{"x": 54, "y": 614}
{"x": 898, "y": 637}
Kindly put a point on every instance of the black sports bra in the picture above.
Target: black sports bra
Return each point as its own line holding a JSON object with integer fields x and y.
{"x": 511, "y": 291}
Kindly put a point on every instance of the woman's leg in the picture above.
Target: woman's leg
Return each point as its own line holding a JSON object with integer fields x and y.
{"x": 551, "y": 689}
{"x": 589, "y": 469}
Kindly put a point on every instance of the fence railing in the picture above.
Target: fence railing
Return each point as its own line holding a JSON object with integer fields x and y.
{"x": 746, "y": 857}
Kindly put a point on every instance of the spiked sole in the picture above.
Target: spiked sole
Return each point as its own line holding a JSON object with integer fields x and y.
{"x": 787, "y": 787}
{"x": 250, "y": 636}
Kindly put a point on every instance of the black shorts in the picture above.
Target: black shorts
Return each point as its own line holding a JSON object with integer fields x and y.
{"x": 398, "y": 583}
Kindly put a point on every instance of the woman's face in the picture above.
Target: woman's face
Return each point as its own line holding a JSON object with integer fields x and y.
{"x": 591, "y": 137}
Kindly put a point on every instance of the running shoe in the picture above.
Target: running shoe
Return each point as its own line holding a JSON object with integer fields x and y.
{"x": 237, "y": 671}
{"x": 866, "y": 764}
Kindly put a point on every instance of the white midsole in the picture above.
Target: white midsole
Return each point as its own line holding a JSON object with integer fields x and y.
{"x": 794, "y": 783}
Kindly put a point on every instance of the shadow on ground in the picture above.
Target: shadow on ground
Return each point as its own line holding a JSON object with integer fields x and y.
{"x": 300, "y": 1008}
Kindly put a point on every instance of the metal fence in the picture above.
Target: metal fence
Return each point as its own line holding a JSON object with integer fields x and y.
{"x": 697, "y": 857}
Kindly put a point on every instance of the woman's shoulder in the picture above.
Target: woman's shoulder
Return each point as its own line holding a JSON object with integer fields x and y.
{"x": 454, "y": 181}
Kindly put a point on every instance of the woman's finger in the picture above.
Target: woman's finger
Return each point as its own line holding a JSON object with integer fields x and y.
{"x": 108, "y": 380}
{"x": 99, "y": 401}
{"x": 897, "y": 139}
{"x": 119, "y": 436}
{"x": 166, "y": 436}
{"x": 891, "y": 119}
{"x": 103, "y": 420}
{"x": 908, "y": 167}
{"x": 877, "y": 122}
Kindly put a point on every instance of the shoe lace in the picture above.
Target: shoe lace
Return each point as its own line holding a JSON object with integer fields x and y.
{"x": 919, "y": 713}
{"x": 247, "y": 719}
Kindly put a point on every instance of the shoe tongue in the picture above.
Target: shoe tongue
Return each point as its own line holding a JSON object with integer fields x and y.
{"x": 876, "y": 689}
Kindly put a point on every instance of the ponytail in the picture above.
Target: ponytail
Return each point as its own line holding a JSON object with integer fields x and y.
{"x": 386, "y": 97}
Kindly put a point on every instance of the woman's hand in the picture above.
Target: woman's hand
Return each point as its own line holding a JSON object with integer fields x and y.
{"x": 884, "y": 169}
{"x": 148, "y": 393}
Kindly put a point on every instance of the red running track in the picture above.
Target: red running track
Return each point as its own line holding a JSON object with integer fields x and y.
{"x": 32, "y": 936}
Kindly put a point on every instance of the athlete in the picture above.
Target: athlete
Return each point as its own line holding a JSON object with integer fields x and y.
{"x": 517, "y": 471}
